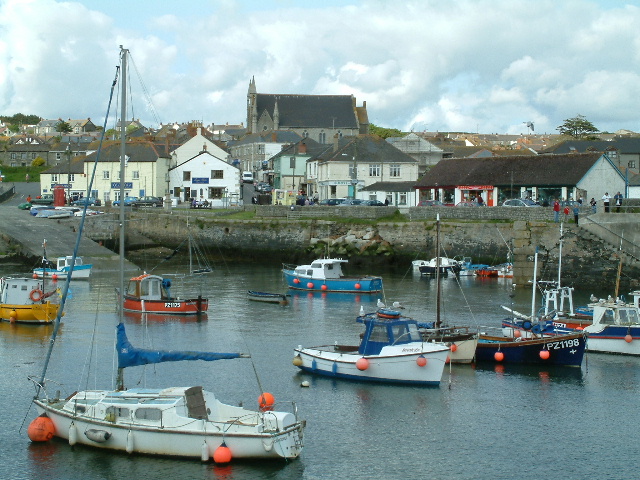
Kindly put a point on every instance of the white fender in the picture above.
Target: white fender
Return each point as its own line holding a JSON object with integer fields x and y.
{"x": 204, "y": 454}
{"x": 129, "y": 446}
{"x": 73, "y": 434}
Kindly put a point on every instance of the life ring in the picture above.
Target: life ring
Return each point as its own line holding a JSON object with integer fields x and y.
{"x": 35, "y": 295}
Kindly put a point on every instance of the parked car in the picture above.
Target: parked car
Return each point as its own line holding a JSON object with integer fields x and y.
{"x": 87, "y": 201}
{"x": 147, "y": 201}
{"x": 127, "y": 201}
{"x": 46, "y": 199}
{"x": 468, "y": 204}
{"x": 372, "y": 203}
{"x": 350, "y": 201}
{"x": 331, "y": 201}
{"x": 430, "y": 203}
{"x": 520, "y": 202}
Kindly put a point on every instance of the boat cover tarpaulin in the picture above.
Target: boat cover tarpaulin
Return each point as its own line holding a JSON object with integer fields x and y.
{"x": 130, "y": 356}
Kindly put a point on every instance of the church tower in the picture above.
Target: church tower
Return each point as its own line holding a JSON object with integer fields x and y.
{"x": 252, "y": 107}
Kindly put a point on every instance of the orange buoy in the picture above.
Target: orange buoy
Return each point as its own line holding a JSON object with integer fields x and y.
{"x": 421, "y": 361}
{"x": 323, "y": 287}
{"x": 222, "y": 454}
{"x": 499, "y": 356}
{"x": 628, "y": 338}
{"x": 579, "y": 328}
{"x": 454, "y": 347}
{"x": 41, "y": 429}
{"x": 517, "y": 333}
{"x": 297, "y": 360}
{"x": 54, "y": 277}
{"x": 309, "y": 285}
{"x": 544, "y": 354}
{"x": 358, "y": 286}
{"x": 448, "y": 360}
{"x": 266, "y": 401}
{"x": 35, "y": 276}
{"x": 13, "y": 316}
{"x": 362, "y": 364}
{"x": 296, "y": 280}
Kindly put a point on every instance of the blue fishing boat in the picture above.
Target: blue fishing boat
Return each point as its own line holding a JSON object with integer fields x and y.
{"x": 325, "y": 275}
{"x": 391, "y": 350}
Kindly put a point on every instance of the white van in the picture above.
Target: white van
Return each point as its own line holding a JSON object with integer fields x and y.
{"x": 247, "y": 177}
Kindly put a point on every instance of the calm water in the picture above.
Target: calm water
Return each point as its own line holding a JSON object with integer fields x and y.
{"x": 481, "y": 423}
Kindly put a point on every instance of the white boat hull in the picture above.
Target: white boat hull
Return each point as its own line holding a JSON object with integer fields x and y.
{"x": 395, "y": 364}
{"x": 465, "y": 351}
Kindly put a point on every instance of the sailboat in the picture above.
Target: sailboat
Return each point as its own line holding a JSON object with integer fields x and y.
{"x": 461, "y": 341}
{"x": 182, "y": 421}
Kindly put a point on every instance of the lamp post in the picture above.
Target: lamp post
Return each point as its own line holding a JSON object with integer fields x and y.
{"x": 354, "y": 174}
{"x": 69, "y": 176}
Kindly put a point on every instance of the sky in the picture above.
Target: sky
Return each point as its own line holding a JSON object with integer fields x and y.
{"x": 487, "y": 66}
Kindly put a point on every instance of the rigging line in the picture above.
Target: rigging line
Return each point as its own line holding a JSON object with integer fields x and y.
{"x": 466, "y": 301}
{"x": 65, "y": 290}
{"x": 150, "y": 104}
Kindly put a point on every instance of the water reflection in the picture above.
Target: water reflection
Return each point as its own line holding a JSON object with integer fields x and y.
{"x": 142, "y": 318}
{"x": 27, "y": 333}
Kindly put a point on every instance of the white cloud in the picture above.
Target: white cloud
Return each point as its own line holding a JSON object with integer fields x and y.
{"x": 464, "y": 65}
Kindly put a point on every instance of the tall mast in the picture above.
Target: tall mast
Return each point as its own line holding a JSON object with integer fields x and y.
{"x": 438, "y": 322}
{"x": 123, "y": 140}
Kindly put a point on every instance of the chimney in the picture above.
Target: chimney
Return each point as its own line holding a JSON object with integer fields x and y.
{"x": 204, "y": 147}
{"x": 274, "y": 137}
{"x": 302, "y": 148}
{"x": 335, "y": 142}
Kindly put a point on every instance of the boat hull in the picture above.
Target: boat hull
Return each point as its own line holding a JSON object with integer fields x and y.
{"x": 198, "y": 439}
{"x": 268, "y": 297}
{"x": 37, "y": 313}
{"x": 334, "y": 361}
{"x": 623, "y": 340}
{"x": 192, "y": 306}
{"x": 365, "y": 284}
{"x": 80, "y": 272}
{"x": 563, "y": 350}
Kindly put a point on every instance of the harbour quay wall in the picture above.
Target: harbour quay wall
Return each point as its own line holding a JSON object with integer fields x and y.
{"x": 587, "y": 259}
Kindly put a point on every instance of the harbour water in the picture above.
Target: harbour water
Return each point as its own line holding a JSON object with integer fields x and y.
{"x": 482, "y": 422}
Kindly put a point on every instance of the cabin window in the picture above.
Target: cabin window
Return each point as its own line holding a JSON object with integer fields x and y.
{"x": 628, "y": 316}
{"x": 117, "y": 412}
{"x": 379, "y": 334}
{"x": 608, "y": 317}
{"x": 154, "y": 414}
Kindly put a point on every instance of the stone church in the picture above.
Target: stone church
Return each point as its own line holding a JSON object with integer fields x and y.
{"x": 318, "y": 117}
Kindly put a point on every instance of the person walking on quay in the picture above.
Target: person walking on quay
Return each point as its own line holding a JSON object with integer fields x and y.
{"x": 26, "y": 177}
{"x": 576, "y": 212}
{"x": 556, "y": 210}
{"x": 605, "y": 200}
{"x": 618, "y": 201}
{"x": 594, "y": 204}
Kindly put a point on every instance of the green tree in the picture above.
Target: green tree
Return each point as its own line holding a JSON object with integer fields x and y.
{"x": 384, "y": 132}
{"x": 63, "y": 127}
{"x": 578, "y": 127}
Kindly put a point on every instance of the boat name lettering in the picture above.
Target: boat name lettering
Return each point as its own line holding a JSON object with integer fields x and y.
{"x": 558, "y": 324}
{"x": 573, "y": 342}
{"x": 412, "y": 350}
{"x": 172, "y": 305}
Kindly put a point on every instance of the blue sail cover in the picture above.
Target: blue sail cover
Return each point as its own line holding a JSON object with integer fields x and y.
{"x": 130, "y": 356}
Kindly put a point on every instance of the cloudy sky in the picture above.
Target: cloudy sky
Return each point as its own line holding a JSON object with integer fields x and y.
{"x": 458, "y": 65}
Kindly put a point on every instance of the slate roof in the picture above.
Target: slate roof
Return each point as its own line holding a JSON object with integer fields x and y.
{"x": 540, "y": 170}
{"x": 389, "y": 187}
{"x": 624, "y": 145}
{"x": 63, "y": 168}
{"x": 136, "y": 151}
{"x": 277, "y": 136}
{"x": 309, "y": 111}
{"x": 366, "y": 148}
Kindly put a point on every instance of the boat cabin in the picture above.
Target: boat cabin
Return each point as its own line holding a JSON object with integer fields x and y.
{"x": 149, "y": 287}
{"x": 64, "y": 263}
{"x": 386, "y": 327}
{"x": 20, "y": 291}
{"x": 324, "y": 268}
{"x": 614, "y": 313}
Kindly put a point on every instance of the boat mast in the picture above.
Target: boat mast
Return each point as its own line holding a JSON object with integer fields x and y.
{"x": 123, "y": 139}
{"x": 560, "y": 257}
{"x": 535, "y": 285}
{"x": 438, "y": 322}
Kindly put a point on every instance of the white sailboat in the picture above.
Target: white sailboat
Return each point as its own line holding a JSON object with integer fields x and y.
{"x": 179, "y": 421}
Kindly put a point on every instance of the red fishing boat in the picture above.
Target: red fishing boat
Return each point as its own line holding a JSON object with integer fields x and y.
{"x": 152, "y": 294}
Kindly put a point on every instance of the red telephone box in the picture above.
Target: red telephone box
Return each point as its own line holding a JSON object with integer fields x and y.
{"x": 59, "y": 199}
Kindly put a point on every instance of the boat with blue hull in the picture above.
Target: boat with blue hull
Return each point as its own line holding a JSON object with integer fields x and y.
{"x": 325, "y": 275}
{"x": 391, "y": 351}
{"x": 566, "y": 350}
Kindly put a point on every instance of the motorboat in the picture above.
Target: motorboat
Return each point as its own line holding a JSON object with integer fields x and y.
{"x": 267, "y": 297}
{"x": 152, "y": 294}
{"x": 62, "y": 268}
{"x": 26, "y": 300}
{"x": 325, "y": 275}
{"x": 444, "y": 264}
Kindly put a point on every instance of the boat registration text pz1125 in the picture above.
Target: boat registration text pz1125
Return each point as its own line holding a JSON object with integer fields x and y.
{"x": 172, "y": 305}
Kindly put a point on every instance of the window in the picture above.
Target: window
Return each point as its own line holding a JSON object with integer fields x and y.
{"x": 58, "y": 156}
{"x": 105, "y": 175}
{"x": 394, "y": 170}
{"x": 374, "y": 170}
{"x": 261, "y": 148}
{"x": 186, "y": 176}
{"x": 402, "y": 199}
{"x": 292, "y": 163}
{"x": 54, "y": 178}
{"x": 632, "y": 164}
{"x": 135, "y": 175}
{"x": 219, "y": 174}
{"x": 216, "y": 193}
{"x": 352, "y": 171}
{"x": 33, "y": 156}
{"x": 305, "y": 134}
{"x": 71, "y": 177}
{"x": 149, "y": 414}
{"x": 322, "y": 138}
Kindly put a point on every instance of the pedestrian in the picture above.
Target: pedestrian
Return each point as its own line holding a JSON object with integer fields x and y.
{"x": 576, "y": 212}
{"x": 27, "y": 177}
{"x": 556, "y": 210}
{"x": 580, "y": 201}
{"x": 566, "y": 214}
{"x": 28, "y": 198}
{"x": 594, "y": 204}
{"x": 605, "y": 200}
{"x": 618, "y": 201}
{"x": 386, "y": 202}
{"x": 480, "y": 201}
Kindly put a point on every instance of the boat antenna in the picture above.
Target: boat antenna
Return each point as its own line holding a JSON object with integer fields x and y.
{"x": 65, "y": 290}
{"x": 123, "y": 140}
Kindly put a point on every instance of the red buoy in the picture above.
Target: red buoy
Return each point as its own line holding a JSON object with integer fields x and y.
{"x": 421, "y": 361}
{"x": 323, "y": 287}
{"x": 454, "y": 347}
{"x": 266, "y": 401}
{"x": 499, "y": 356}
{"x": 628, "y": 338}
{"x": 362, "y": 364}
{"x": 358, "y": 286}
{"x": 517, "y": 333}
{"x": 448, "y": 360}
{"x": 222, "y": 454}
{"x": 41, "y": 429}
{"x": 296, "y": 280}
{"x": 54, "y": 277}
{"x": 35, "y": 276}
{"x": 309, "y": 285}
{"x": 544, "y": 354}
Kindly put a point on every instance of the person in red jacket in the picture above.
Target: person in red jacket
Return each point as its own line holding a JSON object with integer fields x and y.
{"x": 556, "y": 210}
